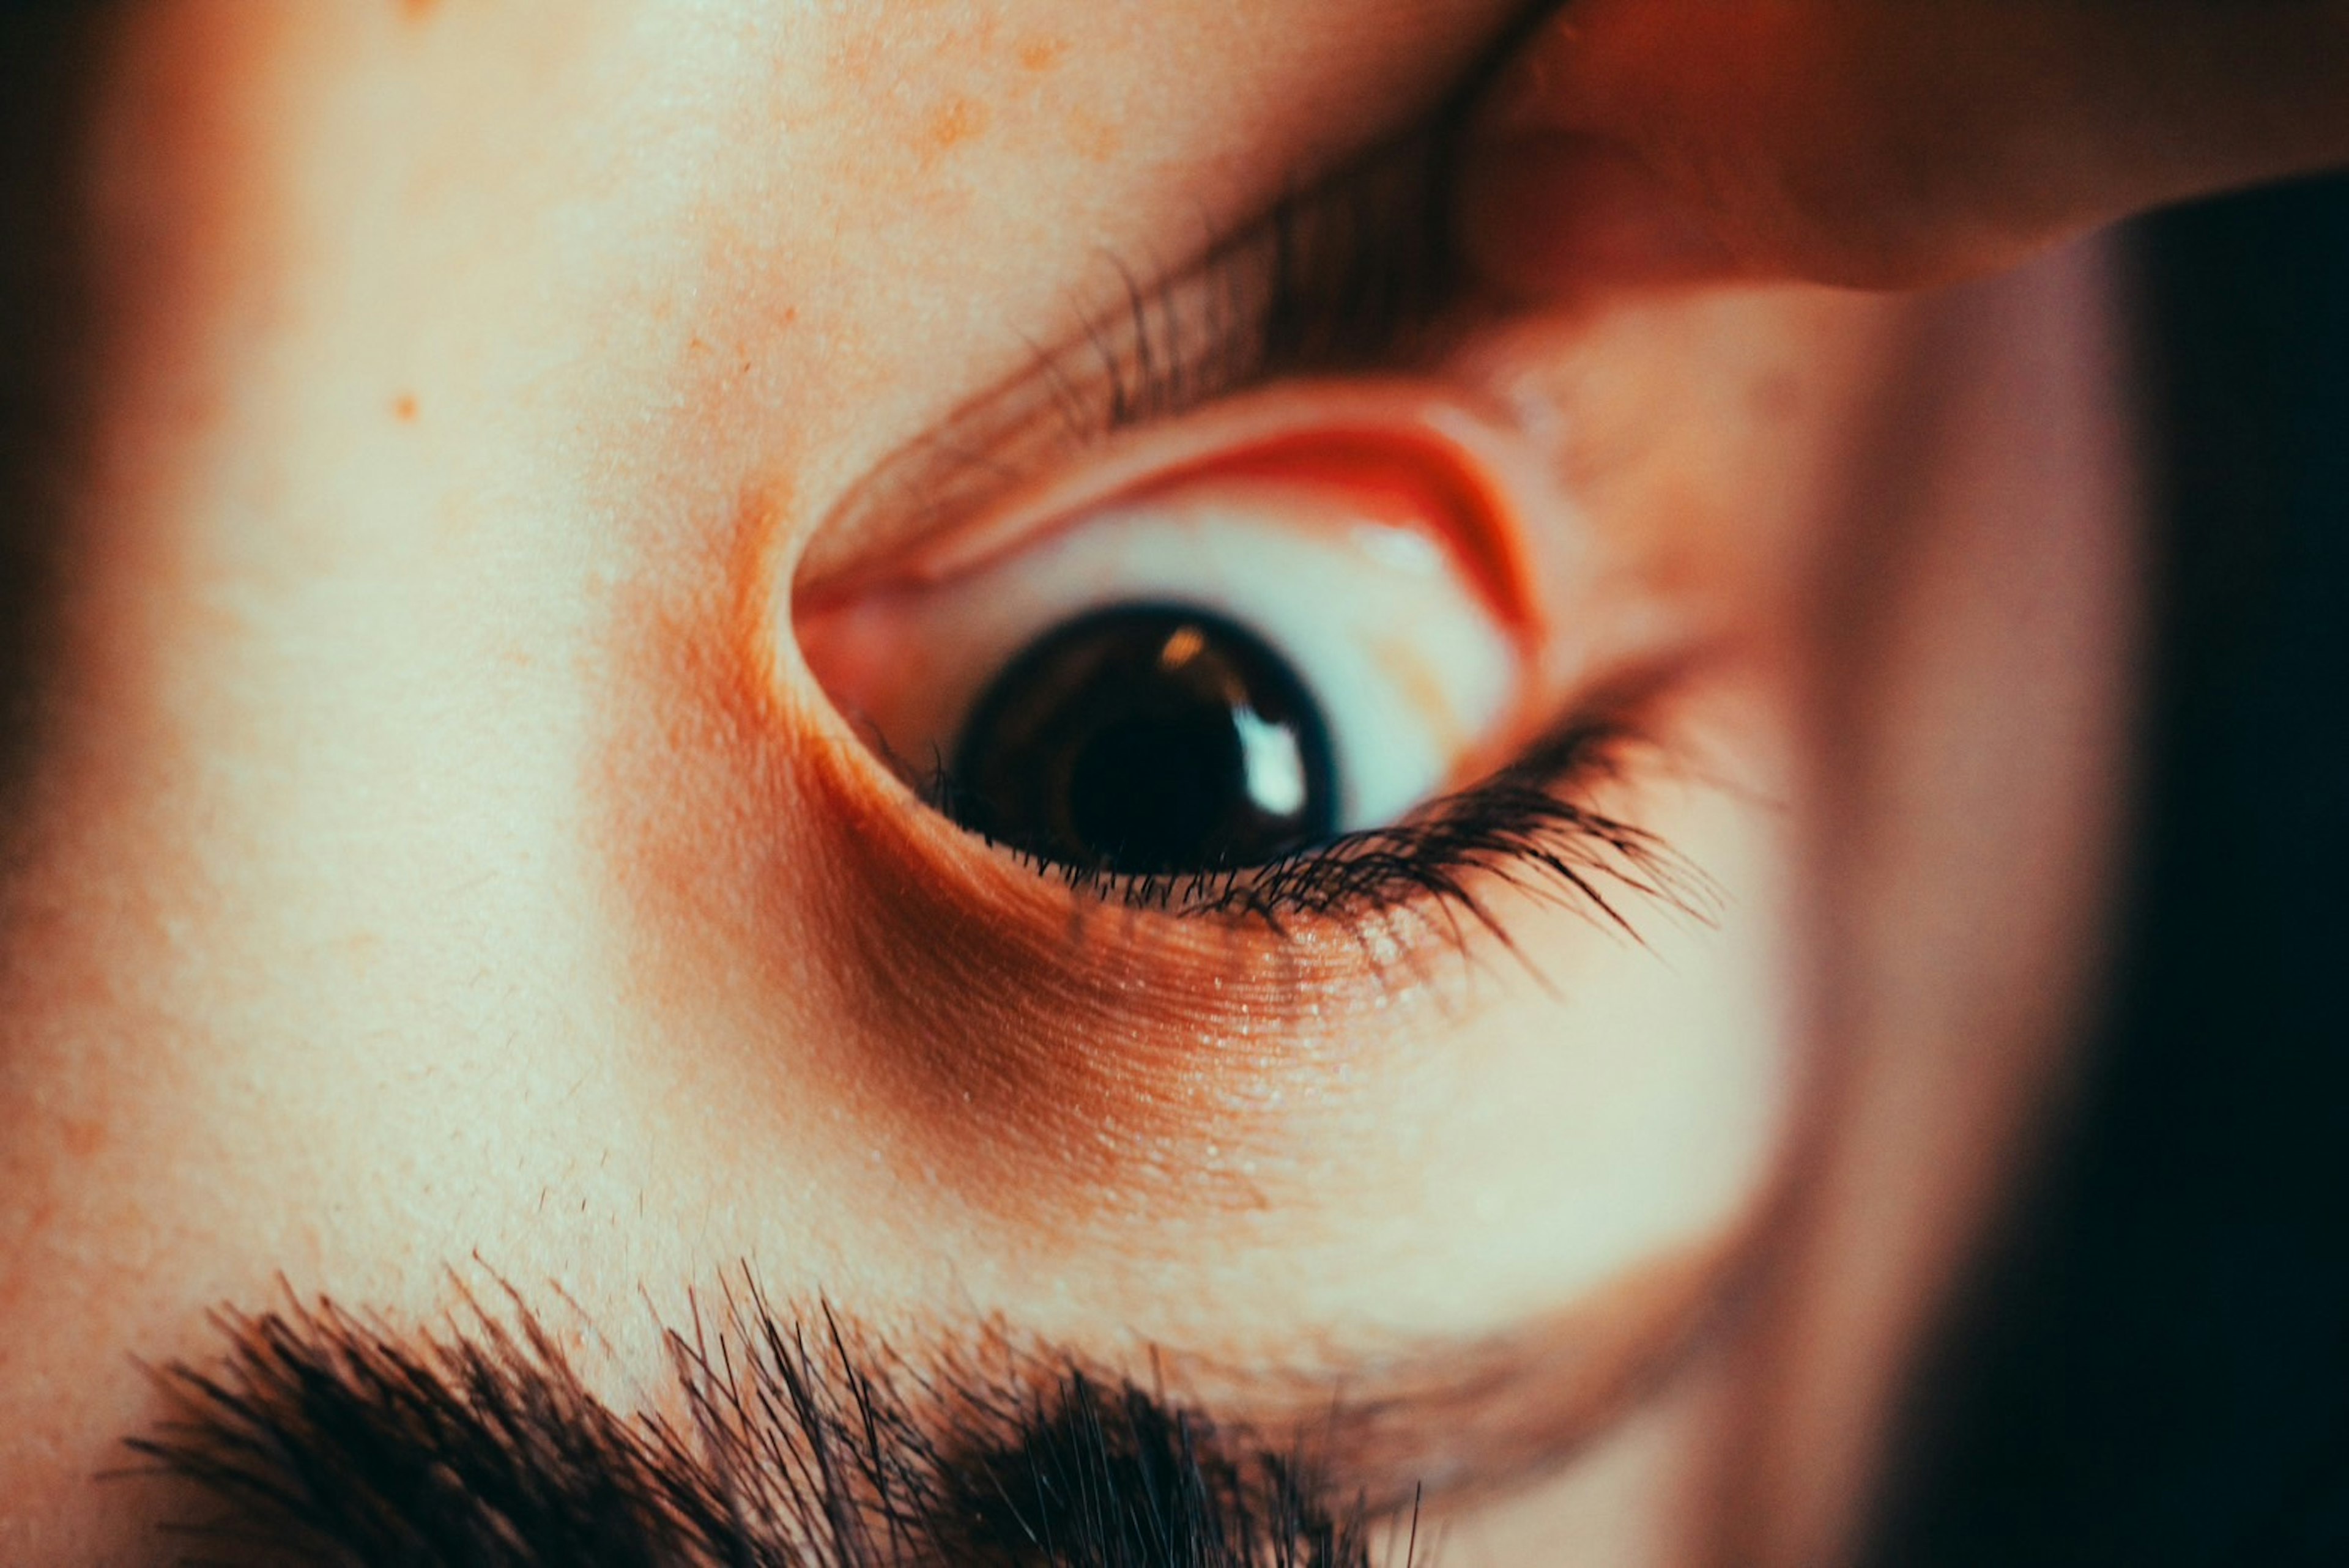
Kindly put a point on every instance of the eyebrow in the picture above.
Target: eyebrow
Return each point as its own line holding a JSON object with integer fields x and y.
{"x": 324, "y": 1434}
{"x": 808, "y": 1439}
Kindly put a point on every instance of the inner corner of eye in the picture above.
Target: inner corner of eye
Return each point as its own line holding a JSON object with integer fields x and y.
{"x": 1208, "y": 669}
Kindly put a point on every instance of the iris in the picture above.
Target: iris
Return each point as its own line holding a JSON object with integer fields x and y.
{"x": 1148, "y": 739}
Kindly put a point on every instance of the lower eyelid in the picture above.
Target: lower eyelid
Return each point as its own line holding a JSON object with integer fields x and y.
{"x": 1077, "y": 1049}
{"x": 1065, "y": 1072}
{"x": 1067, "y": 1064}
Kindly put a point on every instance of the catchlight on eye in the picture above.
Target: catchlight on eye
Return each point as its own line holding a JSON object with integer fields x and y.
{"x": 1209, "y": 670}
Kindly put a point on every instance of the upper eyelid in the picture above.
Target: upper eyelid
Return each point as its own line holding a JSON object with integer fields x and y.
{"x": 1352, "y": 271}
{"x": 1350, "y": 276}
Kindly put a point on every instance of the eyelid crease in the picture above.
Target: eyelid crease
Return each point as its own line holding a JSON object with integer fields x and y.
{"x": 1422, "y": 452}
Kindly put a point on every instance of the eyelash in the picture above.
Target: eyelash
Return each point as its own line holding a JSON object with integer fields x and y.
{"x": 1354, "y": 275}
{"x": 1531, "y": 825}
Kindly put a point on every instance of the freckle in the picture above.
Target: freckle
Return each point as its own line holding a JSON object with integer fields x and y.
{"x": 419, "y": 10}
{"x": 1042, "y": 53}
{"x": 956, "y": 122}
{"x": 403, "y": 408}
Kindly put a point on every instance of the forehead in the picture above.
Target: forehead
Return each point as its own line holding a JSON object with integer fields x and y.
{"x": 974, "y": 124}
{"x": 803, "y": 229}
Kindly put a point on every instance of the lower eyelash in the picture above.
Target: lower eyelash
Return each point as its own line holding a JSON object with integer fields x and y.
{"x": 1531, "y": 826}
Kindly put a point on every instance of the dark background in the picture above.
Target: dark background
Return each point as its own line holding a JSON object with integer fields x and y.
{"x": 2154, "y": 1368}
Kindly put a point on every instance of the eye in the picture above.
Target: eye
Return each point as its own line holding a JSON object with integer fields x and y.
{"x": 1209, "y": 671}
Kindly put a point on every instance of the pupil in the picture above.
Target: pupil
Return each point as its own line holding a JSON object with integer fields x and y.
{"x": 1147, "y": 738}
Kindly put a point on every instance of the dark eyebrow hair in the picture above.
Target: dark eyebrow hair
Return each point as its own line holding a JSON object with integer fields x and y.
{"x": 324, "y": 1436}
{"x": 803, "y": 1438}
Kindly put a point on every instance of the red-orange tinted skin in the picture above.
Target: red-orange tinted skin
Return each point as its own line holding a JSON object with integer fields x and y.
{"x": 961, "y": 1026}
{"x": 1384, "y": 438}
{"x": 1386, "y": 476}
{"x": 1052, "y": 1058}
{"x": 1067, "y": 1071}
{"x": 1118, "y": 1057}
{"x": 1884, "y": 146}
{"x": 1402, "y": 475}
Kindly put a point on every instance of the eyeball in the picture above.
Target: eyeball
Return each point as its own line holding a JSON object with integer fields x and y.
{"x": 1208, "y": 674}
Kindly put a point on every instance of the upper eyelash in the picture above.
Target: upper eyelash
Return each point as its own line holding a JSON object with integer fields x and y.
{"x": 1358, "y": 275}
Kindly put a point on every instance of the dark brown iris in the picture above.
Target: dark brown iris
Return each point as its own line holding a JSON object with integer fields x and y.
{"x": 1147, "y": 738}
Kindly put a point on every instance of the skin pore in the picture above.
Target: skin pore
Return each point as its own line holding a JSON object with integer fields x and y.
{"x": 435, "y": 859}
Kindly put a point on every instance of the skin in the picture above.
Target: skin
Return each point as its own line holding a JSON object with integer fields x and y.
{"x": 1885, "y": 146}
{"x": 428, "y": 844}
